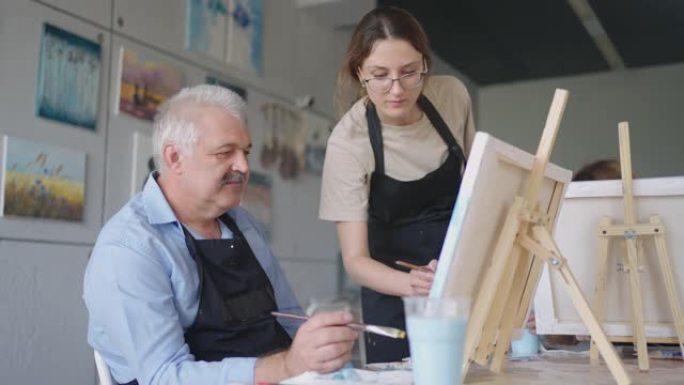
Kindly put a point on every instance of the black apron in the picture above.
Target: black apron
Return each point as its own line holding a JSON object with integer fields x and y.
{"x": 236, "y": 299}
{"x": 406, "y": 221}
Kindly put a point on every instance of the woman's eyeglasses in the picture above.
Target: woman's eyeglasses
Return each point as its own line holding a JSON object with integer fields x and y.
{"x": 383, "y": 84}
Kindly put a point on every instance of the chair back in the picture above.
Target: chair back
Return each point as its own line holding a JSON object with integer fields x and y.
{"x": 102, "y": 370}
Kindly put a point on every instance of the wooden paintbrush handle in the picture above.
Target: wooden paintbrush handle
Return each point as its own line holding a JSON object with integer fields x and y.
{"x": 412, "y": 266}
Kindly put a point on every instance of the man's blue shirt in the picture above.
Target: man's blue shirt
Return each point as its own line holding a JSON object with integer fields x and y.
{"x": 141, "y": 289}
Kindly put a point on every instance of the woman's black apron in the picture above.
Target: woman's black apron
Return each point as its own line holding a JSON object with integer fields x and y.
{"x": 406, "y": 221}
{"x": 236, "y": 299}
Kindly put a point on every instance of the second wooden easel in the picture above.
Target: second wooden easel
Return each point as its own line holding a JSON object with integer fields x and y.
{"x": 524, "y": 244}
{"x": 632, "y": 232}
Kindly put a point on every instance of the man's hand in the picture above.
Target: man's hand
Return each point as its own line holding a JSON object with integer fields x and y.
{"x": 322, "y": 344}
{"x": 421, "y": 279}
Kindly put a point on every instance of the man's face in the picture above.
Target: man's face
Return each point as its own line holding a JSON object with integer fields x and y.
{"x": 217, "y": 171}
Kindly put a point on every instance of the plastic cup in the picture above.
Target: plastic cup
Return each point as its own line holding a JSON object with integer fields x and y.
{"x": 436, "y": 330}
{"x": 525, "y": 346}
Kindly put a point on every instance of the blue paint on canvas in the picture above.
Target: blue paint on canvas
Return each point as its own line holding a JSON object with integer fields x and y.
{"x": 256, "y": 21}
{"x": 206, "y": 27}
{"x": 68, "y": 78}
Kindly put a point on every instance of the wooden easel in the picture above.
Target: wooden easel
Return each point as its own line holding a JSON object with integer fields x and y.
{"x": 523, "y": 246}
{"x": 631, "y": 231}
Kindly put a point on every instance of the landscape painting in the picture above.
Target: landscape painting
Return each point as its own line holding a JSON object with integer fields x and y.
{"x": 146, "y": 83}
{"x": 42, "y": 181}
{"x": 68, "y": 78}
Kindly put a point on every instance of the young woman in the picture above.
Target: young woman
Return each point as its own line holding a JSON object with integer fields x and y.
{"x": 393, "y": 167}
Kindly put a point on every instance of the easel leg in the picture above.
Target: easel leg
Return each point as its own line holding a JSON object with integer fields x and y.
{"x": 502, "y": 298}
{"x": 666, "y": 268}
{"x": 517, "y": 308}
{"x": 600, "y": 290}
{"x": 605, "y": 347}
{"x": 532, "y": 269}
{"x": 493, "y": 275}
{"x": 637, "y": 305}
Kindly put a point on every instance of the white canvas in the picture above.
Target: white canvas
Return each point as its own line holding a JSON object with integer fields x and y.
{"x": 495, "y": 174}
{"x": 585, "y": 203}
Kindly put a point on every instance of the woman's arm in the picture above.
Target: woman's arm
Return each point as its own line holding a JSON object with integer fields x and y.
{"x": 372, "y": 274}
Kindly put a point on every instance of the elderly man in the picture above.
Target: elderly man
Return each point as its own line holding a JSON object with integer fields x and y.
{"x": 181, "y": 283}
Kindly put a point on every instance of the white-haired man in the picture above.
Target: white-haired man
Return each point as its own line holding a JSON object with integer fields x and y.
{"x": 180, "y": 284}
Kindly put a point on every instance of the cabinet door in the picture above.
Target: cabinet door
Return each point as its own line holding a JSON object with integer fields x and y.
{"x": 43, "y": 319}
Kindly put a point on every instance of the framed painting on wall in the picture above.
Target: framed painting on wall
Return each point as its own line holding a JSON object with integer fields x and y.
{"x": 42, "y": 181}
{"x": 207, "y": 27}
{"x": 146, "y": 82}
{"x": 245, "y": 35}
{"x": 68, "y": 78}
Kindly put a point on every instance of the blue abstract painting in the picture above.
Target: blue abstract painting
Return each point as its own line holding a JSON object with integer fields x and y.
{"x": 68, "y": 78}
{"x": 244, "y": 34}
{"x": 227, "y": 30}
{"x": 207, "y": 27}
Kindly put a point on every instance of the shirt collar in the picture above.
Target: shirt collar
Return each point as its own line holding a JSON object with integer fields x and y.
{"x": 157, "y": 207}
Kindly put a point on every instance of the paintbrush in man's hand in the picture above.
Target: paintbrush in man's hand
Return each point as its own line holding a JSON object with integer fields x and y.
{"x": 375, "y": 329}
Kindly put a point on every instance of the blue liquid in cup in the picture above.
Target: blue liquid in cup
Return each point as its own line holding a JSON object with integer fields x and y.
{"x": 527, "y": 345}
{"x": 436, "y": 346}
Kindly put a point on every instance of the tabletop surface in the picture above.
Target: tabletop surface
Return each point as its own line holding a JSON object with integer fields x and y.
{"x": 575, "y": 371}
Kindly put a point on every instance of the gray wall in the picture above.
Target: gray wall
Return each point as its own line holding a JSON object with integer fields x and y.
{"x": 42, "y": 318}
{"x": 649, "y": 99}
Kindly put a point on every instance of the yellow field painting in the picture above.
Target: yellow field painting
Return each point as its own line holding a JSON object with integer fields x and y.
{"x": 43, "y": 196}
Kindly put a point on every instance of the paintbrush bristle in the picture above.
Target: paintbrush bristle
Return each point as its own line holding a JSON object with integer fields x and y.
{"x": 386, "y": 331}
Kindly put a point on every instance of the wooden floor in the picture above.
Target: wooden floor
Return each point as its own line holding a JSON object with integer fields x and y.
{"x": 575, "y": 371}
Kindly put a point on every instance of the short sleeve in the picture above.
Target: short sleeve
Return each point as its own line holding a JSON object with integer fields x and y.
{"x": 345, "y": 188}
{"x": 469, "y": 129}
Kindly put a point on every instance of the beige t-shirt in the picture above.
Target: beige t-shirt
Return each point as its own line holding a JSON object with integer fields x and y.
{"x": 411, "y": 151}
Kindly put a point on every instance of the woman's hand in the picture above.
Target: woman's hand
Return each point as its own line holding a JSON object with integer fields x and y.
{"x": 421, "y": 279}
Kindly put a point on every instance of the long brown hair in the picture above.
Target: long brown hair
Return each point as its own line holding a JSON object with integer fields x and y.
{"x": 378, "y": 24}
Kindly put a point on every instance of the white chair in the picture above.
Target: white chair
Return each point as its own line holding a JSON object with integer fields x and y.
{"x": 102, "y": 370}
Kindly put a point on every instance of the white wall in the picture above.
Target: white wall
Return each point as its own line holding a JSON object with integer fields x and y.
{"x": 649, "y": 99}
{"x": 42, "y": 318}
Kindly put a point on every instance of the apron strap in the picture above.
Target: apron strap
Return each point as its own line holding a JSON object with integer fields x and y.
{"x": 441, "y": 127}
{"x": 375, "y": 136}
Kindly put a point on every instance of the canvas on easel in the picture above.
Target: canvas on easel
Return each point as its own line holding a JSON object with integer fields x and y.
{"x": 499, "y": 238}
{"x": 623, "y": 261}
{"x": 584, "y": 205}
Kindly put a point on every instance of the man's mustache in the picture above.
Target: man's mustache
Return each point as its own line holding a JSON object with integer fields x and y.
{"x": 234, "y": 177}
